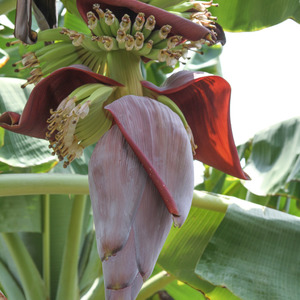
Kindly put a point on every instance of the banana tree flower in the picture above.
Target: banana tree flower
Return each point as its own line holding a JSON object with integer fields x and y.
{"x": 141, "y": 174}
{"x": 204, "y": 99}
{"x": 141, "y": 170}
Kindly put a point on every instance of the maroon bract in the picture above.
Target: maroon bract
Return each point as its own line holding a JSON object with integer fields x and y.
{"x": 47, "y": 95}
{"x": 180, "y": 26}
{"x": 204, "y": 100}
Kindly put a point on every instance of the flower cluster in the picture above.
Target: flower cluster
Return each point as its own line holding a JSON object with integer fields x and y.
{"x": 141, "y": 170}
{"x": 151, "y": 34}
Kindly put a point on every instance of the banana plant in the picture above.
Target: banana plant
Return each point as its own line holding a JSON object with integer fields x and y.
{"x": 90, "y": 89}
{"x": 132, "y": 223}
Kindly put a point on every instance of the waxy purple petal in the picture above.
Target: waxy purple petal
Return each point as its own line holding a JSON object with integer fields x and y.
{"x": 180, "y": 26}
{"x": 115, "y": 176}
{"x": 131, "y": 215}
{"x": 47, "y": 95}
{"x": 139, "y": 206}
{"x": 204, "y": 100}
{"x": 158, "y": 138}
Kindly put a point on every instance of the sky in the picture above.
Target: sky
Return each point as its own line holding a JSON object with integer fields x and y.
{"x": 263, "y": 69}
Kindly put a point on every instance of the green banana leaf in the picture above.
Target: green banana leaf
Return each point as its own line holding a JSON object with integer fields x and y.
{"x": 12, "y": 289}
{"x": 274, "y": 163}
{"x": 90, "y": 266}
{"x": 218, "y": 182}
{"x": 254, "y": 253}
{"x": 75, "y": 23}
{"x": 20, "y": 213}
{"x": 46, "y": 250}
{"x": 184, "y": 247}
{"x": 206, "y": 61}
{"x": 251, "y": 15}
{"x": 18, "y": 150}
{"x": 19, "y": 263}
{"x": 14, "y": 52}
{"x": 179, "y": 290}
{"x": 6, "y": 6}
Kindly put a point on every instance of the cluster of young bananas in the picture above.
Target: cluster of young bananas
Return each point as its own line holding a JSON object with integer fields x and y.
{"x": 195, "y": 10}
{"x": 49, "y": 58}
{"x": 109, "y": 34}
{"x": 72, "y": 125}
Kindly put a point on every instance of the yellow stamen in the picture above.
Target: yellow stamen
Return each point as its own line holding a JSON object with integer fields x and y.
{"x": 125, "y": 23}
{"x": 109, "y": 17}
{"x": 129, "y": 42}
{"x": 99, "y": 11}
{"x": 150, "y": 23}
{"x": 139, "y": 21}
{"x": 139, "y": 40}
{"x": 92, "y": 20}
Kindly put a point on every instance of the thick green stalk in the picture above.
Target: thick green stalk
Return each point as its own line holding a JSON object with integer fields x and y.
{"x": 154, "y": 284}
{"x": 210, "y": 201}
{"x": 46, "y": 242}
{"x": 32, "y": 283}
{"x": 68, "y": 287}
{"x": 39, "y": 184}
{"x": 129, "y": 75}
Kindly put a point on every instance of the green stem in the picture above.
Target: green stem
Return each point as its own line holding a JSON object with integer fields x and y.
{"x": 30, "y": 278}
{"x": 46, "y": 242}
{"x": 278, "y": 202}
{"x": 38, "y": 184}
{"x": 129, "y": 75}
{"x": 210, "y": 201}
{"x": 154, "y": 284}
{"x": 68, "y": 281}
{"x": 287, "y": 205}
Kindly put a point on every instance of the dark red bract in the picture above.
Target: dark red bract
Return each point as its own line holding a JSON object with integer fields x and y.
{"x": 180, "y": 26}
{"x": 204, "y": 100}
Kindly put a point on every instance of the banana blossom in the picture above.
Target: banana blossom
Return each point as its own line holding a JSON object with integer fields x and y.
{"x": 141, "y": 170}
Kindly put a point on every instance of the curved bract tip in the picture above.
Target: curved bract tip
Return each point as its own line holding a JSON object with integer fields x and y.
{"x": 204, "y": 100}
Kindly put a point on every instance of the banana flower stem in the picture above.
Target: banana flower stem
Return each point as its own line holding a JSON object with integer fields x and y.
{"x": 211, "y": 201}
{"x": 68, "y": 281}
{"x": 37, "y": 184}
{"x": 46, "y": 242}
